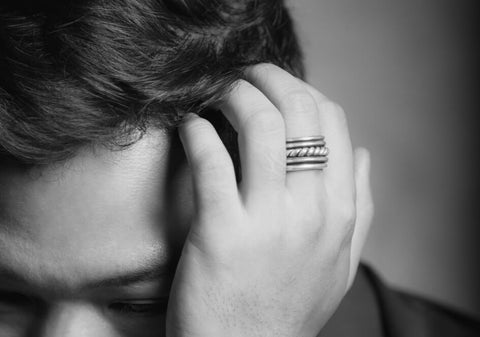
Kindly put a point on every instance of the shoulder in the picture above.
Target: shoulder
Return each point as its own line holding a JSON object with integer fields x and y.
{"x": 405, "y": 314}
{"x": 373, "y": 309}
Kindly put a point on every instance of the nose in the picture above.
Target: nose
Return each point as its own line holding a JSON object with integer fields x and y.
{"x": 75, "y": 320}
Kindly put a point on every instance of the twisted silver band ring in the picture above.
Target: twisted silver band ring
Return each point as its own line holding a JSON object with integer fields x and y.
{"x": 306, "y": 153}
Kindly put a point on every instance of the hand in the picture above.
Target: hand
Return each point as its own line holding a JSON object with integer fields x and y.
{"x": 275, "y": 255}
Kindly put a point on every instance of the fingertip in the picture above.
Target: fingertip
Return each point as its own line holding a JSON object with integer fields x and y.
{"x": 362, "y": 151}
{"x": 362, "y": 159}
{"x": 187, "y": 118}
{"x": 262, "y": 66}
{"x": 363, "y": 172}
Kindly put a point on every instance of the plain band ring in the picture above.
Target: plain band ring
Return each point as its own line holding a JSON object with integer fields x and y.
{"x": 306, "y": 167}
{"x": 306, "y": 153}
{"x": 305, "y": 139}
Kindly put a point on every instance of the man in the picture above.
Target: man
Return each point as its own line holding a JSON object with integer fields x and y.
{"x": 110, "y": 225}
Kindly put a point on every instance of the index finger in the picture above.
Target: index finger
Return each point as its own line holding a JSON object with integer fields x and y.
{"x": 212, "y": 167}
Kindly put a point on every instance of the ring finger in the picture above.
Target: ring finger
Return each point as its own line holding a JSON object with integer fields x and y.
{"x": 300, "y": 113}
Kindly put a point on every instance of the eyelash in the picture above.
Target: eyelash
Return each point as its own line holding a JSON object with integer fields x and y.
{"x": 11, "y": 298}
{"x": 140, "y": 308}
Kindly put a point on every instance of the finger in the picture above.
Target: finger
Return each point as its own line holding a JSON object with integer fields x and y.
{"x": 212, "y": 168}
{"x": 364, "y": 210}
{"x": 261, "y": 139}
{"x": 339, "y": 176}
{"x": 300, "y": 113}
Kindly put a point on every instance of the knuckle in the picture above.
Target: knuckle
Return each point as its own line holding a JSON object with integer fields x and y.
{"x": 212, "y": 170}
{"x": 346, "y": 216}
{"x": 210, "y": 160}
{"x": 300, "y": 101}
{"x": 334, "y": 109}
{"x": 333, "y": 255}
{"x": 265, "y": 121}
{"x": 346, "y": 239}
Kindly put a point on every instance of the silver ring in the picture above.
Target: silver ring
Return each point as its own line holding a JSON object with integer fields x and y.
{"x": 306, "y": 167}
{"x": 306, "y": 153}
{"x": 305, "y": 139}
{"x": 293, "y": 143}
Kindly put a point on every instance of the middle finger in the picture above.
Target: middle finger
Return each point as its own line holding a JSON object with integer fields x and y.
{"x": 261, "y": 140}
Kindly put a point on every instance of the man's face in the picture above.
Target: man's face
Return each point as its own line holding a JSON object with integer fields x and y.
{"x": 88, "y": 248}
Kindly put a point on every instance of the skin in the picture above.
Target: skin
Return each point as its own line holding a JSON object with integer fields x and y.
{"x": 100, "y": 216}
{"x": 95, "y": 246}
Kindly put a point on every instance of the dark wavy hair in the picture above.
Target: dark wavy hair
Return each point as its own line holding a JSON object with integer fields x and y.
{"x": 76, "y": 73}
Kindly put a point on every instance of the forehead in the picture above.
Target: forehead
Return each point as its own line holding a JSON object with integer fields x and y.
{"x": 97, "y": 213}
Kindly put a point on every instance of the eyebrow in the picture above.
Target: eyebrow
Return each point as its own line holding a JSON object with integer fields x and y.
{"x": 147, "y": 273}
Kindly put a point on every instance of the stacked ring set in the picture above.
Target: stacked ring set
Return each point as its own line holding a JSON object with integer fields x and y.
{"x": 306, "y": 153}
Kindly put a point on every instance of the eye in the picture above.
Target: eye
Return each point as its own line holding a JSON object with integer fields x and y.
{"x": 18, "y": 309}
{"x": 144, "y": 307}
{"x": 10, "y": 299}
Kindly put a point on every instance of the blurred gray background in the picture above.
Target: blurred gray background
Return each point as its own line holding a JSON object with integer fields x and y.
{"x": 404, "y": 71}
